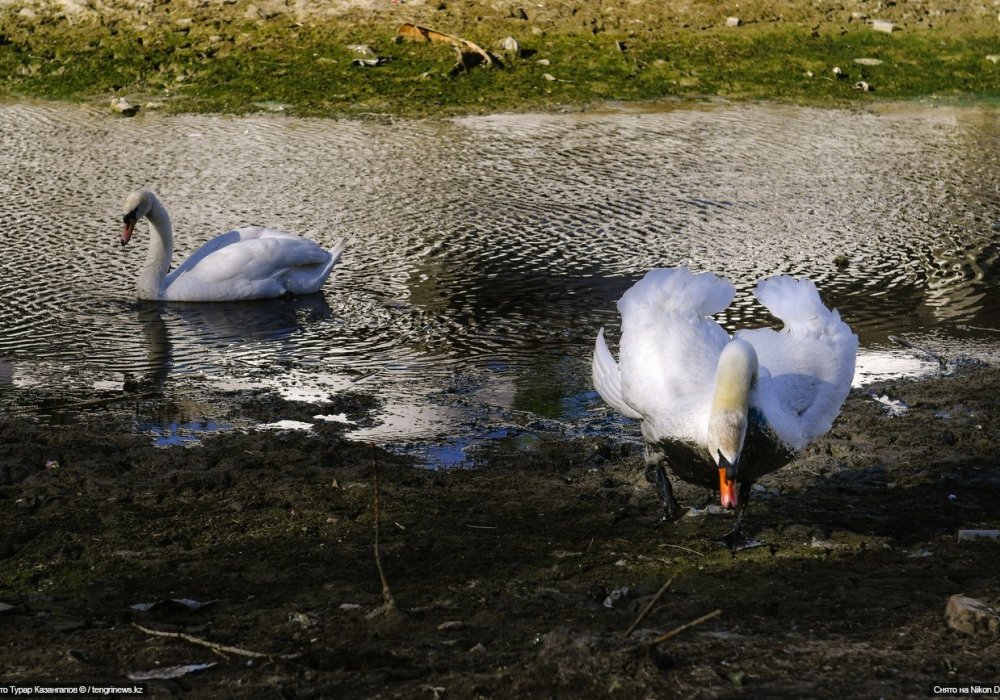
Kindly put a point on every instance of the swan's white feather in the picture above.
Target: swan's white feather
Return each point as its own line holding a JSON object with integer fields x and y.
{"x": 608, "y": 378}
{"x": 251, "y": 262}
{"x": 809, "y": 363}
{"x": 669, "y": 350}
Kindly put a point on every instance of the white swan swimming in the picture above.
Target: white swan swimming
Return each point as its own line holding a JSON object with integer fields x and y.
{"x": 720, "y": 411}
{"x": 247, "y": 263}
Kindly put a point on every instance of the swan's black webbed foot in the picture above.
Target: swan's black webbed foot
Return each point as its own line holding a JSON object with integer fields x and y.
{"x": 738, "y": 538}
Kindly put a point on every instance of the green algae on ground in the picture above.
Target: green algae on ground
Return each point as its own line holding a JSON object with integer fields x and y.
{"x": 310, "y": 70}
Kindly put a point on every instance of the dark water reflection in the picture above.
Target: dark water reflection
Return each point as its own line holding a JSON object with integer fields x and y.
{"x": 485, "y": 252}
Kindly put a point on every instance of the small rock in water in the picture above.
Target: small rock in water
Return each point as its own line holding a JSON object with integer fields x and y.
{"x": 968, "y": 535}
{"x": 971, "y": 616}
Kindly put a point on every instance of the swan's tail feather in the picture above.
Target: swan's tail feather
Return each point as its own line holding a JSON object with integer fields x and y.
{"x": 607, "y": 378}
{"x": 678, "y": 290}
{"x": 336, "y": 251}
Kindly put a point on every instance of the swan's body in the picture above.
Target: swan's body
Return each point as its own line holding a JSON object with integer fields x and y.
{"x": 247, "y": 263}
{"x": 724, "y": 411}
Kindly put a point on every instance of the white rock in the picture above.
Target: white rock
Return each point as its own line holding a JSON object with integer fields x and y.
{"x": 868, "y": 61}
{"x": 733, "y": 21}
{"x": 993, "y": 58}
{"x": 510, "y": 46}
{"x": 965, "y": 535}
{"x": 971, "y": 616}
{"x": 880, "y": 25}
{"x": 124, "y": 107}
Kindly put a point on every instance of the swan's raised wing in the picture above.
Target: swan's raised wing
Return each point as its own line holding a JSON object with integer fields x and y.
{"x": 669, "y": 350}
{"x": 805, "y": 369}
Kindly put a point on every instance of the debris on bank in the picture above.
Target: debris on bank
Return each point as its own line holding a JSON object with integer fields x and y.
{"x": 470, "y": 54}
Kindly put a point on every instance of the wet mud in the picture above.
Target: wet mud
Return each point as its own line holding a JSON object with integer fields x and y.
{"x": 519, "y": 577}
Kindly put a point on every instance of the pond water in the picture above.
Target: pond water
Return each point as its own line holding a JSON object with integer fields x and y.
{"x": 485, "y": 252}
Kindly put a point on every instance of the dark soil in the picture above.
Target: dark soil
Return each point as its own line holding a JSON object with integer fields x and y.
{"x": 518, "y": 578}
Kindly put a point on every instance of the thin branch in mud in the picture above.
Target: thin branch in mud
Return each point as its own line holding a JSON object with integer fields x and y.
{"x": 686, "y": 549}
{"x": 646, "y": 610}
{"x": 218, "y": 648}
{"x": 89, "y": 402}
{"x": 940, "y": 359}
{"x": 482, "y": 527}
{"x": 388, "y": 602}
{"x": 677, "y": 630}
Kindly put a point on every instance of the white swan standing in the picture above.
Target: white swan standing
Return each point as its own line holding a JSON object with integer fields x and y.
{"x": 721, "y": 411}
{"x": 247, "y": 263}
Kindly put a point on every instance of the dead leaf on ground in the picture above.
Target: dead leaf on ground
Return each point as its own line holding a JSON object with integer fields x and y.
{"x": 469, "y": 54}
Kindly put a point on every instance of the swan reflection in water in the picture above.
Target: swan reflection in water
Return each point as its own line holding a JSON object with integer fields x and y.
{"x": 6, "y": 372}
{"x": 254, "y": 333}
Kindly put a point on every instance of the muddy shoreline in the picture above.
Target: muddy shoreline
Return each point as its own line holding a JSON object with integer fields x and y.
{"x": 517, "y": 578}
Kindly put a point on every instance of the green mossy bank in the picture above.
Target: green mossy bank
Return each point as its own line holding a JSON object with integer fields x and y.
{"x": 216, "y": 64}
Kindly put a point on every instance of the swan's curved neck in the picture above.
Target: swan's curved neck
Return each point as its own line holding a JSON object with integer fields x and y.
{"x": 735, "y": 376}
{"x": 161, "y": 248}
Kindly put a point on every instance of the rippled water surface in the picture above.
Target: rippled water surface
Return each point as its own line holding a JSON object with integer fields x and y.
{"x": 485, "y": 252}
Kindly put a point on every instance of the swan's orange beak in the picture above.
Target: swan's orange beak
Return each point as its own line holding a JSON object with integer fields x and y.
{"x": 127, "y": 231}
{"x": 727, "y": 490}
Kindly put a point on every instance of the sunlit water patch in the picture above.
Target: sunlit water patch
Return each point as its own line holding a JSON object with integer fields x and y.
{"x": 485, "y": 252}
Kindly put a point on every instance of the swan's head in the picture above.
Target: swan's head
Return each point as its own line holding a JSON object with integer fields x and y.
{"x": 735, "y": 375}
{"x": 136, "y": 206}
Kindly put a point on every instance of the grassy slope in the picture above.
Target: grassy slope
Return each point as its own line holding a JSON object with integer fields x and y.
{"x": 307, "y": 68}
